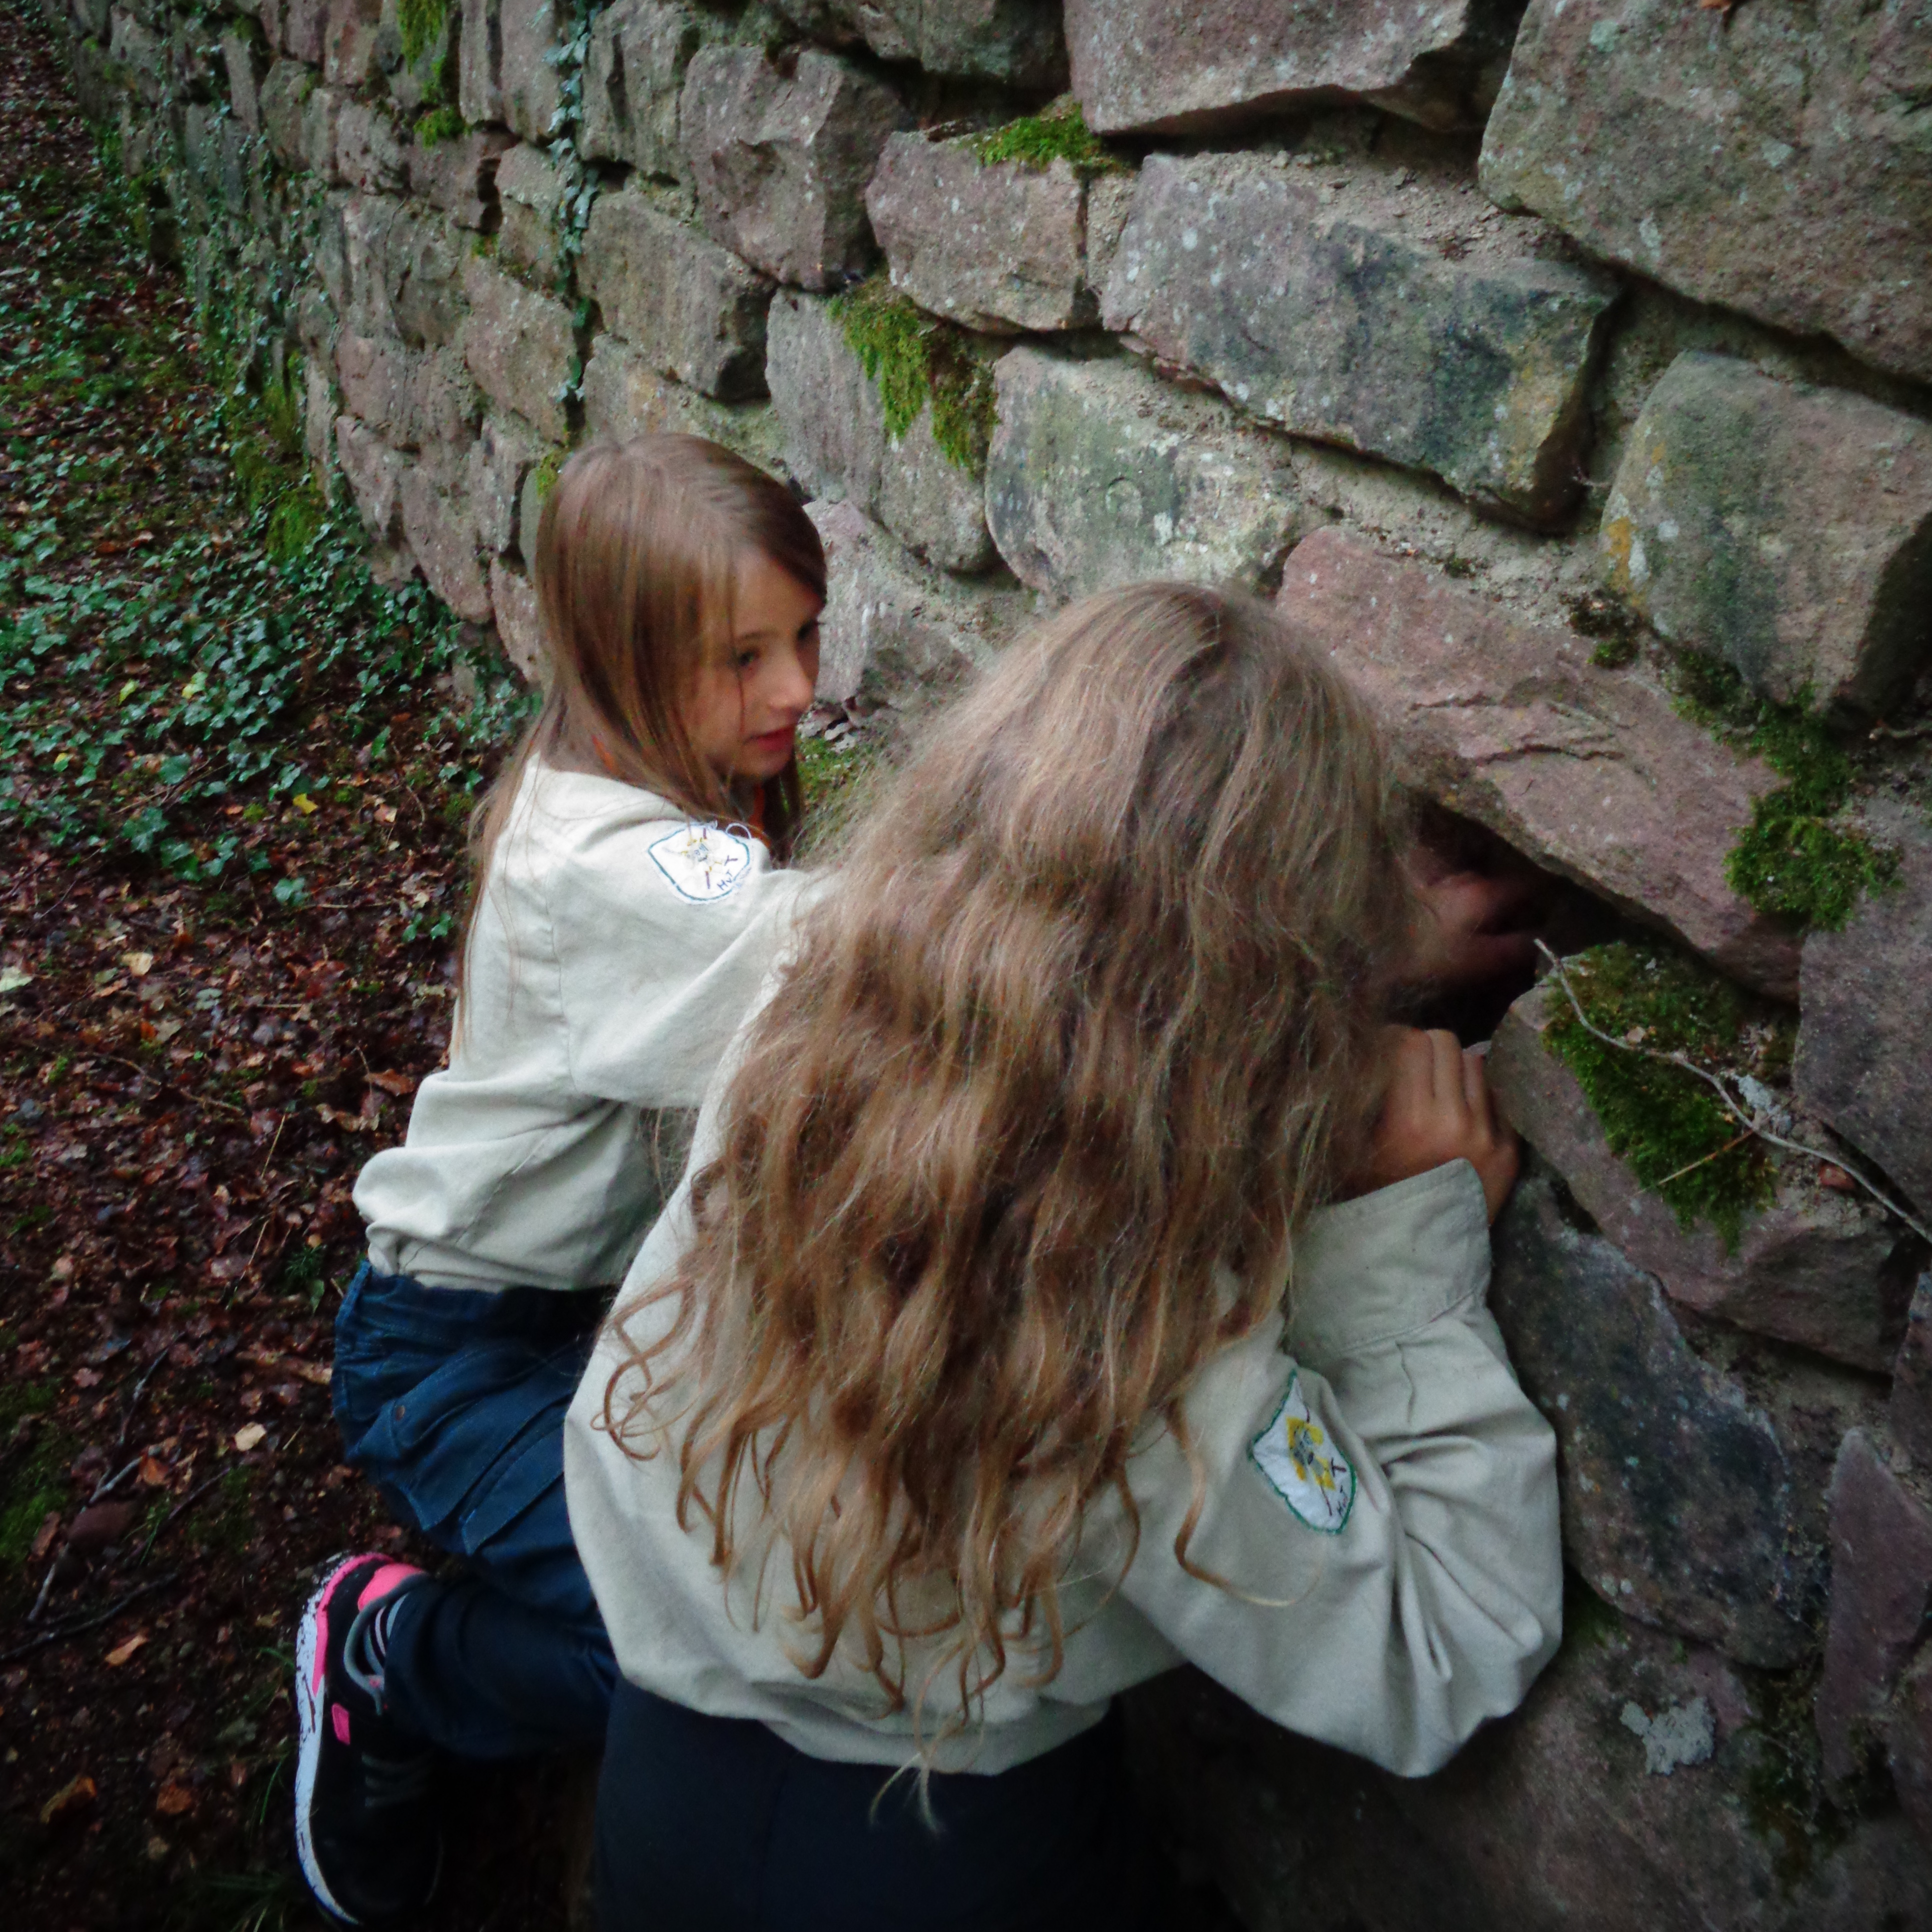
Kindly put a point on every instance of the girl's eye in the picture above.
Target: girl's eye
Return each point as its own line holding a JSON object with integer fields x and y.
{"x": 744, "y": 660}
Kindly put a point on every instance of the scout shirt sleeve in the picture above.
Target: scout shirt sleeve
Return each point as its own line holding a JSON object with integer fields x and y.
{"x": 664, "y": 932}
{"x": 1381, "y": 1504}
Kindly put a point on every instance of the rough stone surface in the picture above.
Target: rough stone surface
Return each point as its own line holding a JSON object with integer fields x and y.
{"x": 1016, "y": 41}
{"x": 517, "y": 623}
{"x": 1909, "y": 1737}
{"x": 1551, "y": 1821}
{"x": 531, "y": 86}
{"x": 1244, "y": 269}
{"x": 416, "y": 399}
{"x": 1864, "y": 1039}
{"x": 425, "y": 81}
{"x": 1002, "y": 247}
{"x": 529, "y": 190}
{"x": 1829, "y": 1271}
{"x": 893, "y": 634}
{"x": 1881, "y": 1592}
{"x": 1589, "y": 772}
{"x": 458, "y": 175}
{"x": 368, "y": 152}
{"x": 373, "y": 472}
{"x": 479, "y": 86}
{"x": 1678, "y": 1503}
{"x": 1909, "y": 1416}
{"x": 441, "y": 532}
{"x": 693, "y": 307}
{"x": 1099, "y": 474}
{"x": 1188, "y": 66}
{"x": 624, "y": 394}
{"x": 285, "y": 93}
{"x": 242, "y": 56}
{"x": 303, "y": 24}
{"x": 422, "y": 266}
{"x": 1770, "y": 159}
{"x": 1785, "y": 528}
{"x": 501, "y": 459}
{"x": 319, "y": 424}
{"x": 837, "y": 447}
{"x": 780, "y": 162}
{"x": 348, "y": 39}
{"x": 518, "y": 345}
{"x": 632, "y": 77}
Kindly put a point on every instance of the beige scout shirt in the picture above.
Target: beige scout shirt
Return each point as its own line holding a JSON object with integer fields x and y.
{"x": 617, "y": 948}
{"x": 1383, "y": 1499}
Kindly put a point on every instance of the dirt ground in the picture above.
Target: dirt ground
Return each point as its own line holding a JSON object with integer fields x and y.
{"x": 226, "y": 918}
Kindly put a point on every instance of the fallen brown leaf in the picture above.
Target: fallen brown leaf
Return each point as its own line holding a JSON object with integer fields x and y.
{"x": 153, "y": 1476}
{"x": 74, "y": 1795}
{"x": 172, "y": 1800}
{"x": 120, "y": 1653}
{"x": 248, "y": 1435}
{"x": 397, "y": 1083}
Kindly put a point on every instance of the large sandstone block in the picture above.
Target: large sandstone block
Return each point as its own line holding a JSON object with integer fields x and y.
{"x": 501, "y": 460}
{"x": 349, "y": 34}
{"x": 780, "y": 162}
{"x": 1785, "y": 528}
{"x": 1864, "y": 1038}
{"x": 519, "y": 346}
{"x": 363, "y": 223}
{"x": 421, "y": 69}
{"x": 285, "y": 93}
{"x": 246, "y": 68}
{"x": 693, "y": 307}
{"x": 1100, "y": 474}
{"x": 423, "y": 256}
{"x": 632, "y": 77}
{"x": 441, "y": 532}
{"x": 531, "y": 84}
{"x": 625, "y": 395}
{"x": 479, "y": 65}
{"x": 1909, "y": 1416}
{"x": 1172, "y": 66}
{"x": 458, "y": 175}
{"x": 374, "y": 473}
{"x": 836, "y": 443}
{"x": 1881, "y": 1594}
{"x": 1771, "y": 158}
{"x": 1677, "y": 1493}
{"x": 1015, "y": 41}
{"x": 1316, "y": 307}
{"x": 894, "y": 633}
{"x": 304, "y": 24}
{"x": 1000, "y": 247}
{"x": 368, "y": 150}
{"x": 414, "y": 399}
{"x": 518, "y": 625}
{"x": 1821, "y": 1269}
{"x": 1589, "y": 772}
{"x": 529, "y": 191}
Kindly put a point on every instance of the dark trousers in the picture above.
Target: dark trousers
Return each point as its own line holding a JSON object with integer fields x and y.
{"x": 453, "y": 1403}
{"x": 717, "y": 1825}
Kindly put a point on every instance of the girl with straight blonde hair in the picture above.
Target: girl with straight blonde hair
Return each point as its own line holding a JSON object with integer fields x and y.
{"x": 630, "y": 900}
{"x": 1074, "y": 1276}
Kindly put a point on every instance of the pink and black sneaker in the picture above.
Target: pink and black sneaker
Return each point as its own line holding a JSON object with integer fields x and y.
{"x": 366, "y": 1827}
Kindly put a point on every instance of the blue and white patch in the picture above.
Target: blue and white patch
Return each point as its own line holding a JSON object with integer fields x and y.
{"x": 703, "y": 863}
{"x": 1302, "y": 1466}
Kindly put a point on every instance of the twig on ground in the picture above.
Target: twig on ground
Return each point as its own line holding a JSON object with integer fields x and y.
{"x": 1749, "y": 1118}
{"x": 134, "y": 1400}
{"x": 80, "y": 1626}
{"x": 180, "y": 1509}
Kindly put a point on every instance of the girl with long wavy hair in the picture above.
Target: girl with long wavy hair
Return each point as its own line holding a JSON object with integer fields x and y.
{"x": 1074, "y": 1276}
{"x": 629, "y": 904}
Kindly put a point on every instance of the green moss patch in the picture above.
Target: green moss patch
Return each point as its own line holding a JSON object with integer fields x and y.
{"x": 1667, "y": 1123}
{"x": 440, "y": 123}
{"x": 32, "y": 1485}
{"x": 419, "y": 22}
{"x": 1058, "y": 132}
{"x": 1792, "y": 860}
{"x": 911, "y": 359}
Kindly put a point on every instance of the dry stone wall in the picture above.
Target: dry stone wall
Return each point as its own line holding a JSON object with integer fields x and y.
{"x": 1565, "y": 371}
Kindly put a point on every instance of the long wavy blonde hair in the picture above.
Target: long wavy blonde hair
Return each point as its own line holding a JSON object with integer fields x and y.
{"x": 1085, "y": 1026}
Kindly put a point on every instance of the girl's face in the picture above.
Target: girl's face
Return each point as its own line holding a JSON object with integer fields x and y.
{"x": 742, "y": 712}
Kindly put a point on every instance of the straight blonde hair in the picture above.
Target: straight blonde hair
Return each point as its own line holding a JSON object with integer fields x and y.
{"x": 636, "y": 550}
{"x": 1024, "y": 1135}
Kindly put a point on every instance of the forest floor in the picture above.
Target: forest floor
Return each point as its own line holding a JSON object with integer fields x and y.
{"x": 234, "y": 783}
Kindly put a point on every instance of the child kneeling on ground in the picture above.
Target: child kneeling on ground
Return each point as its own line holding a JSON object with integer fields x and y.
{"x": 628, "y": 910}
{"x": 1075, "y": 1276}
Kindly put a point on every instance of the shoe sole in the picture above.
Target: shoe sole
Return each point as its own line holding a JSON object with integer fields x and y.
{"x": 308, "y": 1738}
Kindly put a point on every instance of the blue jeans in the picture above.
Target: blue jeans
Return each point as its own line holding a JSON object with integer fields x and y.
{"x": 718, "y": 1825}
{"x": 452, "y": 1403}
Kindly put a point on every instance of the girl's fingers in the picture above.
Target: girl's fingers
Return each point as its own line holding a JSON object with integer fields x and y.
{"x": 1446, "y": 1072}
{"x": 1476, "y": 1091}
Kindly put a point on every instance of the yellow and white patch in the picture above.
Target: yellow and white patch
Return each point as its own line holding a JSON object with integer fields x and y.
{"x": 703, "y": 863}
{"x": 1302, "y": 1466}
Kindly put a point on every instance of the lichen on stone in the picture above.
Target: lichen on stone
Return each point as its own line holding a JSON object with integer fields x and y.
{"x": 1664, "y": 1121}
{"x": 1793, "y": 859}
{"x": 911, "y": 359}
{"x": 1058, "y": 132}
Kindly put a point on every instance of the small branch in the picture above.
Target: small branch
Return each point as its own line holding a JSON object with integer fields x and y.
{"x": 1704, "y": 1159}
{"x": 82, "y": 1625}
{"x": 134, "y": 1400}
{"x": 180, "y": 1509}
{"x": 1735, "y": 1109}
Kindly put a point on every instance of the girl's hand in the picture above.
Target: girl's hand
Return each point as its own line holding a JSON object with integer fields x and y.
{"x": 1471, "y": 926}
{"x": 1437, "y": 1109}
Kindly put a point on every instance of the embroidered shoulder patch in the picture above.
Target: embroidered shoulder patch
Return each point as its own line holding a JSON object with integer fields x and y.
{"x": 1302, "y": 1467}
{"x": 703, "y": 863}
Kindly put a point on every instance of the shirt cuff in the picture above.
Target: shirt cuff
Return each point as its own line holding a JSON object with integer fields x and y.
{"x": 1368, "y": 1270}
